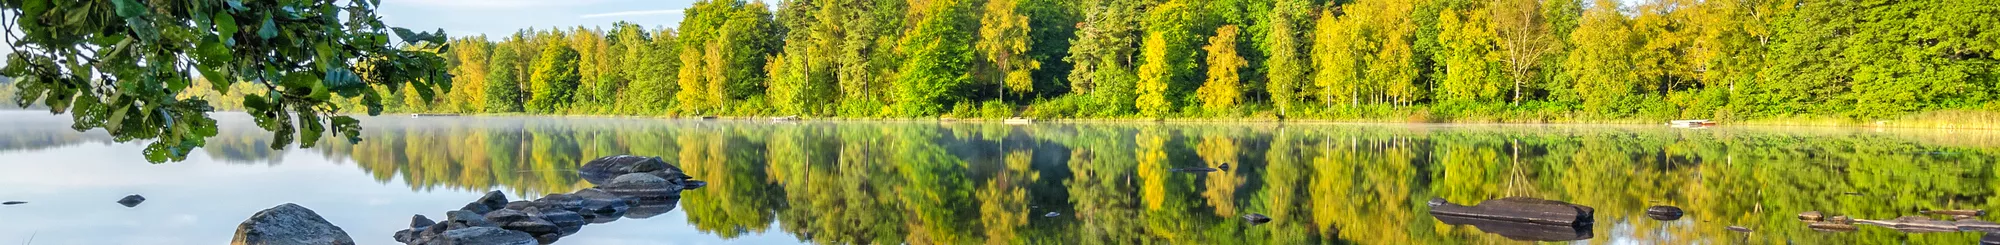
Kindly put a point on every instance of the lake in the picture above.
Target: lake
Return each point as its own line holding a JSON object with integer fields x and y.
{"x": 1050, "y": 183}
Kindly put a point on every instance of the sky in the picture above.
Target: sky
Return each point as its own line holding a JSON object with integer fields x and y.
{"x": 461, "y": 18}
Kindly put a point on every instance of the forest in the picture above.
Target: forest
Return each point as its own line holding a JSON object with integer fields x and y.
{"x": 1417, "y": 60}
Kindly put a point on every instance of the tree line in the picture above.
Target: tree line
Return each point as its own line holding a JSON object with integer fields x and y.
{"x": 1339, "y": 59}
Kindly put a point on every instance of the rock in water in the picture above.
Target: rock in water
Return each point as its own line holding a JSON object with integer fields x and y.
{"x": 640, "y": 184}
{"x": 1667, "y": 213}
{"x": 1051, "y": 215}
{"x": 1990, "y": 239}
{"x": 600, "y": 171}
{"x": 1256, "y": 219}
{"x": 457, "y": 219}
{"x": 1521, "y": 210}
{"x": 131, "y": 201}
{"x": 420, "y": 222}
{"x": 487, "y": 236}
{"x": 13, "y": 203}
{"x": 289, "y": 224}
{"x": 600, "y": 206}
{"x": 1811, "y": 216}
{"x": 493, "y": 200}
{"x": 1738, "y": 229}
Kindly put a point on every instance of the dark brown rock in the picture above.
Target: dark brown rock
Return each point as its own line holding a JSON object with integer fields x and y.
{"x": 1811, "y": 216}
{"x": 1668, "y": 213}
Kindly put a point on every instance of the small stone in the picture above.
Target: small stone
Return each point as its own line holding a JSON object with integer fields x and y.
{"x": 1052, "y": 214}
{"x": 131, "y": 201}
{"x": 13, "y": 203}
{"x": 420, "y": 222}
{"x": 1256, "y": 219}
{"x": 493, "y": 200}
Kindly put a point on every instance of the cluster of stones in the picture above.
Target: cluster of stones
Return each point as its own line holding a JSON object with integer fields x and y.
{"x": 627, "y": 187}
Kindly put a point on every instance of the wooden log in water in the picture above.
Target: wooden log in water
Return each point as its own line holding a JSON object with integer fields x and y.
{"x": 1519, "y": 209}
{"x": 1913, "y": 224}
{"x": 1965, "y": 212}
{"x": 1830, "y": 227}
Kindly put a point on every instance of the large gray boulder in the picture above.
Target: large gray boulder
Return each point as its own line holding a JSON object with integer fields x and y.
{"x": 289, "y": 224}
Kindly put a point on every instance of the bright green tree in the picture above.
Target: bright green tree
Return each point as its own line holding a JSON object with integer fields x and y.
{"x": 552, "y": 88}
{"x": 503, "y": 91}
{"x": 939, "y": 61}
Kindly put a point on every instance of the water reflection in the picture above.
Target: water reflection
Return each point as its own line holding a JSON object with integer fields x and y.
{"x": 956, "y": 183}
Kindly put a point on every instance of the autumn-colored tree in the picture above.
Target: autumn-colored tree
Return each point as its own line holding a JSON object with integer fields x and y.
{"x": 1224, "y": 88}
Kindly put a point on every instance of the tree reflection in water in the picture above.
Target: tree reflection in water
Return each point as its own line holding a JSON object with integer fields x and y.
{"x": 960, "y": 183}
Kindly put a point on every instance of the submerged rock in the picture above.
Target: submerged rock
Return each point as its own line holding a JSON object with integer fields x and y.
{"x": 1738, "y": 229}
{"x": 289, "y": 224}
{"x": 1666, "y": 213}
{"x": 1256, "y": 219}
{"x": 1520, "y": 209}
{"x": 1195, "y": 169}
{"x": 131, "y": 201}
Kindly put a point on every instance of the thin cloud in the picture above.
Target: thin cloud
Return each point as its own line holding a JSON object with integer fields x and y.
{"x": 632, "y": 13}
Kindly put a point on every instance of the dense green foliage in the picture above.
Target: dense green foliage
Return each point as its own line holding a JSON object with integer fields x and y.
{"x": 133, "y": 68}
{"x": 1425, "y": 60}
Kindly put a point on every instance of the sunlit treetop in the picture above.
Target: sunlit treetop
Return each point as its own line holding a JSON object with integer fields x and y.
{"x": 118, "y": 64}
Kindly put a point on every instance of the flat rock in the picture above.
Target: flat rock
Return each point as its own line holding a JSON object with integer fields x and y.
{"x": 289, "y": 224}
{"x": 1256, "y": 219}
{"x": 465, "y": 219}
{"x": 600, "y": 171}
{"x": 131, "y": 201}
{"x": 13, "y": 203}
{"x": 485, "y": 236}
{"x": 1520, "y": 231}
{"x": 600, "y": 206}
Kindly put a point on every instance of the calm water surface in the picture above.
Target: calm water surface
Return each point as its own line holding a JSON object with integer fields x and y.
{"x": 959, "y": 183}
